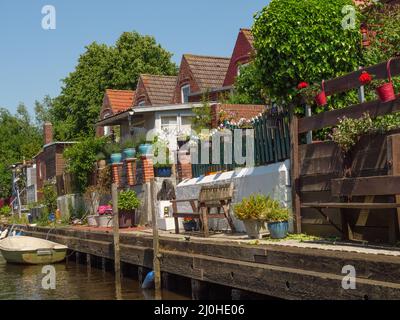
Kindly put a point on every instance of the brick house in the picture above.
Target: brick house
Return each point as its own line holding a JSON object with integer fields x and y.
{"x": 50, "y": 163}
{"x": 198, "y": 75}
{"x": 154, "y": 90}
{"x": 114, "y": 102}
{"x": 241, "y": 56}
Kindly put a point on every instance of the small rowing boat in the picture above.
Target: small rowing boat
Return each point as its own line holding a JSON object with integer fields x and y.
{"x": 29, "y": 250}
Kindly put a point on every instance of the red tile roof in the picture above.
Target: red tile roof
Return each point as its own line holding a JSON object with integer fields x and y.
{"x": 249, "y": 36}
{"x": 120, "y": 100}
{"x": 209, "y": 72}
{"x": 160, "y": 89}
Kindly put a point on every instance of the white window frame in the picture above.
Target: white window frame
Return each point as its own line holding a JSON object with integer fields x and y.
{"x": 141, "y": 103}
{"x": 182, "y": 96}
{"x": 240, "y": 66}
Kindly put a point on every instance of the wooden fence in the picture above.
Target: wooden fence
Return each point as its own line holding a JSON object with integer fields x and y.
{"x": 271, "y": 144}
{"x": 356, "y": 199}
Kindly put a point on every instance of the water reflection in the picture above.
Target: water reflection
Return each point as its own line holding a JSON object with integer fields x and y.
{"x": 74, "y": 281}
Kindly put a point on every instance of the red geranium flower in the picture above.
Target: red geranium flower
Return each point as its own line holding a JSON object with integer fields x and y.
{"x": 365, "y": 78}
{"x": 302, "y": 85}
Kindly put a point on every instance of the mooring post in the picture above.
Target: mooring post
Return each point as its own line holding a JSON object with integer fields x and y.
{"x": 117, "y": 256}
{"x": 156, "y": 244}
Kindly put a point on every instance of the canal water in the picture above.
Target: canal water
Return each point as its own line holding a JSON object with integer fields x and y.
{"x": 73, "y": 281}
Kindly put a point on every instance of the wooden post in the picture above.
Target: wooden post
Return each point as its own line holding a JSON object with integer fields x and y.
{"x": 156, "y": 244}
{"x": 393, "y": 158}
{"x": 295, "y": 171}
{"x": 117, "y": 258}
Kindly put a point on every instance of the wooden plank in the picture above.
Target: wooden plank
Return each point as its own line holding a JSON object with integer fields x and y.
{"x": 393, "y": 157}
{"x": 330, "y": 118}
{"x": 362, "y": 186}
{"x": 318, "y": 182}
{"x": 295, "y": 172}
{"x": 350, "y": 81}
{"x": 351, "y": 205}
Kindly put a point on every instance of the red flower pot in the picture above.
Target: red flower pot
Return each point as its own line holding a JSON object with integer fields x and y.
{"x": 320, "y": 99}
{"x": 386, "y": 92}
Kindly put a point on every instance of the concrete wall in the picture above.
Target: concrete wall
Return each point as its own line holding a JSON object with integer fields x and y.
{"x": 271, "y": 180}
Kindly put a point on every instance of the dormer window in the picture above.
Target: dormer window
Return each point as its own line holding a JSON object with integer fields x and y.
{"x": 240, "y": 67}
{"x": 185, "y": 91}
{"x": 141, "y": 103}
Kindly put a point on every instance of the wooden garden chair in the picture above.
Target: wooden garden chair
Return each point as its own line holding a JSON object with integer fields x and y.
{"x": 210, "y": 197}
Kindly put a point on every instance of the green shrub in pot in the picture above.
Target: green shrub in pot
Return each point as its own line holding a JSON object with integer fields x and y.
{"x": 277, "y": 217}
{"x": 252, "y": 211}
{"x": 128, "y": 202}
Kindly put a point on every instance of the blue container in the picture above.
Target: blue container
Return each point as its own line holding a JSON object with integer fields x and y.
{"x": 145, "y": 148}
{"x": 129, "y": 153}
{"x": 278, "y": 230}
{"x": 148, "y": 282}
{"x": 116, "y": 158}
{"x": 52, "y": 217}
{"x": 164, "y": 172}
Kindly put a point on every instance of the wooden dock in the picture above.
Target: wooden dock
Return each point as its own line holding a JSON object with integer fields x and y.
{"x": 274, "y": 270}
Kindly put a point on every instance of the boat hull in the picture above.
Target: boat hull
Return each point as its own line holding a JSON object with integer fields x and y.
{"x": 33, "y": 257}
{"x": 30, "y": 250}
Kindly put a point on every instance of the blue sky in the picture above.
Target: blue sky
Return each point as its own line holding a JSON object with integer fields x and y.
{"x": 33, "y": 61}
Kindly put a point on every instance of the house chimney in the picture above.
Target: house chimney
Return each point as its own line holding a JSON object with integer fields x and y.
{"x": 48, "y": 133}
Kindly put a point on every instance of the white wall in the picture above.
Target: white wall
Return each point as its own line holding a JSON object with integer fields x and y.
{"x": 271, "y": 180}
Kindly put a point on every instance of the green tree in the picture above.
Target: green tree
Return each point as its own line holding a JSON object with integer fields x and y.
{"x": 77, "y": 108}
{"x": 303, "y": 41}
{"x": 81, "y": 158}
{"x": 43, "y": 111}
{"x": 19, "y": 140}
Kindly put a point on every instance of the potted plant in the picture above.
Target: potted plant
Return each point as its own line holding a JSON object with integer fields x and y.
{"x": 277, "y": 217}
{"x": 162, "y": 165}
{"x": 163, "y": 170}
{"x": 313, "y": 93}
{"x": 252, "y": 211}
{"x": 114, "y": 150}
{"x": 383, "y": 88}
{"x": 128, "y": 202}
{"x": 129, "y": 150}
{"x": 190, "y": 224}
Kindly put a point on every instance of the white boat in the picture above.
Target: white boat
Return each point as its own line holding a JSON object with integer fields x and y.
{"x": 29, "y": 250}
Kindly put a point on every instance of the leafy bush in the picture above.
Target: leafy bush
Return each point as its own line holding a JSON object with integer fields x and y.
{"x": 253, "y": 207}
{"x": 81, "y": 158}
{"x": 5, "y": 211}
{"x": 349, "y": 131}
{"x": 50, "y": 196}
{"x": 128, "y": 200}
{"x": 261, "y": 207}
{"x": 303, "y": 41}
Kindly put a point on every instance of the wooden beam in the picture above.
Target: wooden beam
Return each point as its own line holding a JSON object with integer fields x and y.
{"x": 393, "y": 158}
{"x": 351, "y": 205}
{"x": 295, "y": 172}
{"x": 331, "y": 118}
{"x": 366, "y": 186}
{"x": 350, "y": 81}
{"x": 117, "y": 255}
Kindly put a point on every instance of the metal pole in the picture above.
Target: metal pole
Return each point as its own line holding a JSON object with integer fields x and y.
{"x": 156, "y": 244}
{"x": 309, "y": 133}
{"x": 117, "y": 257}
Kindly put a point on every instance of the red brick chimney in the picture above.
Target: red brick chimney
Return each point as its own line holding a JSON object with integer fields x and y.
{"x": 48, "y": 133}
